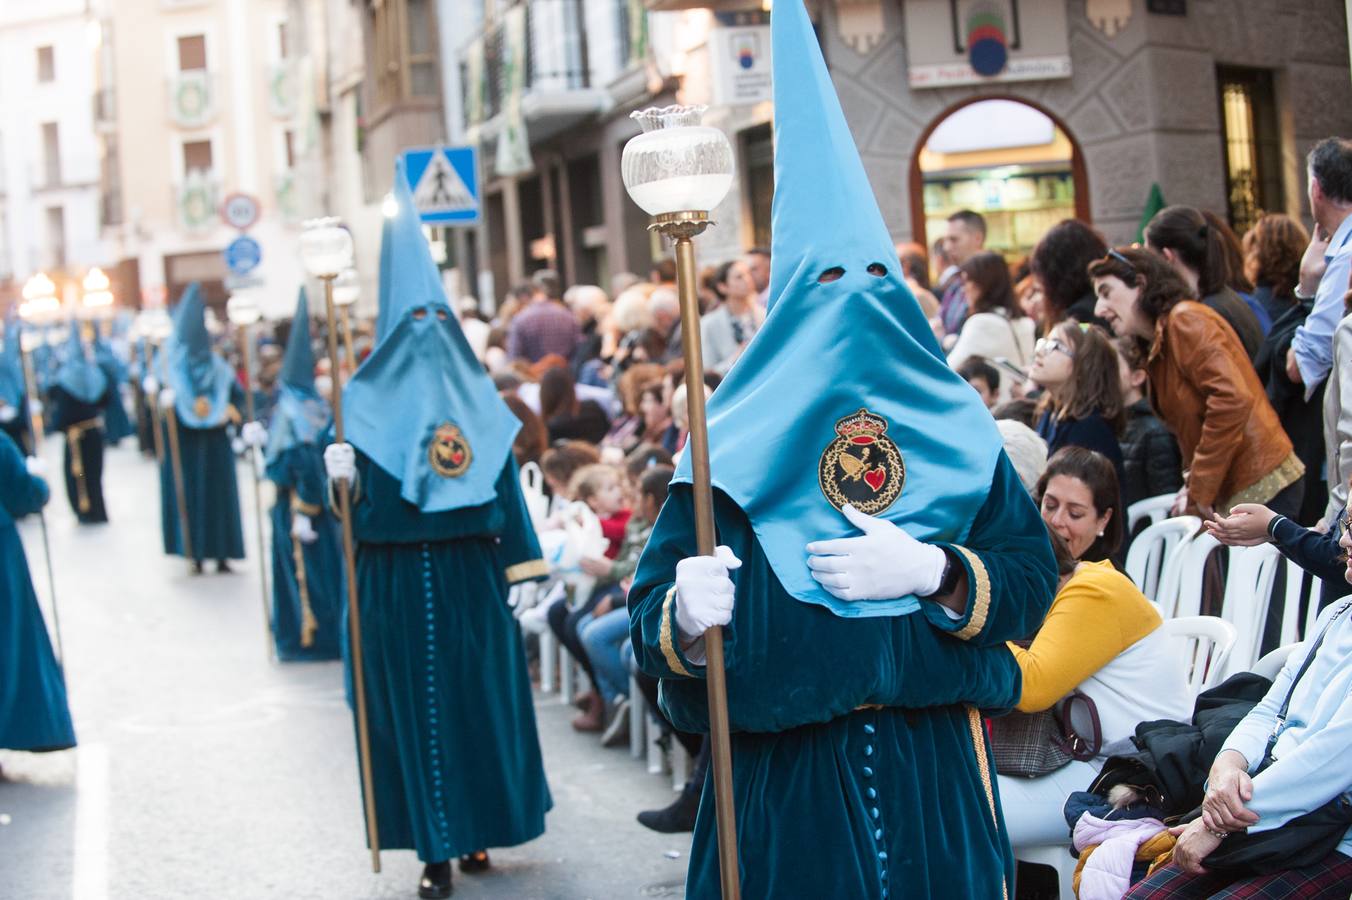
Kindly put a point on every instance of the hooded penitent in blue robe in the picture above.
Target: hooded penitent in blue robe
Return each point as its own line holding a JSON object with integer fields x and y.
{"x": 206, "y": 401}
{"x": 33, "y": 711}
{"x": 860, "y": 763}
{"x": 116, "y": 423}
{"x": 77, "y": 397}
{"x": 307, "y": 579}
{"x": 14, "y": 420}
{"x": 442, "y": 532}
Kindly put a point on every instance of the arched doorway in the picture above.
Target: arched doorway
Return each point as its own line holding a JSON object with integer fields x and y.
{"x": 1004, "y": 157}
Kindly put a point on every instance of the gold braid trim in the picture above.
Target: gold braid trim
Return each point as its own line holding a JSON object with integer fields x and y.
{"x": 308, "y": 623}
{"x": 984, "y": 766}
{"x": 535, "y": 568}
{"x": 981, "y": 601}
{"x": 75, "y": 438}
{"x": 313, "y": 510}
{"x": 664, "y": 637}
{"x": 1270, "y": 485}
{"x": 232, "y": 414}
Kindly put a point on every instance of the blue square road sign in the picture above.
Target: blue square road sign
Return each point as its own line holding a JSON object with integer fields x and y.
{"x": 445, "y": 184}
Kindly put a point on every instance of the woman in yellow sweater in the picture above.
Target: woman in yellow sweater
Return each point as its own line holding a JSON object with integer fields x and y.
{"x": 1100, "y": 635}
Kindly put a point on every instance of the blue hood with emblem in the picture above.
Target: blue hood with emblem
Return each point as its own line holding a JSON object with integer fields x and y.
{"x": 797, "y": 427}
{"x": 201, "y": 379}
{"x": 301, "y": 414}
{"x": 77, "y": 373}
{"x": 421, "y": 406}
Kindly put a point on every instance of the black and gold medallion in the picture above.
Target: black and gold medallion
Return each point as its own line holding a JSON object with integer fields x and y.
{"x": 862, "y": 466}
{"x": 201, "y": 406}
{"x": 449, "y": 453}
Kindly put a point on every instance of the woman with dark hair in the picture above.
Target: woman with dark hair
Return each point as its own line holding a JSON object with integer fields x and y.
{"x": 1076, "y": 366}
{"x": 1196, "y": 250}
{"x": 1202, "y": 386}
{"x": 1237, "y": 278}
{"x": 727, "y": 330}
{"x": 533, "y": 438}
{"x": 567, "y": 417}
{"x": 1058, "y": 262}
{"x": 995, "y": 327}
{"x": 1101, "y": 637}
{"x": 1273, "y": 249}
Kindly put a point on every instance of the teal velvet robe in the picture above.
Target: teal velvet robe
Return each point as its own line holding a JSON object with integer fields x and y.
{"x": 298, "y": 474}
{"x": 65, "y": 411}
{"x": 456, "y": 758}
{"x": 861, "y": 767}
{"x": 33, "y": 710}
{"x": 211, "y": 488}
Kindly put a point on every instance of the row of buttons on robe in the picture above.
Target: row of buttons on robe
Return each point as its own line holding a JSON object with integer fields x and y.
{"x": 874, "y": 814}
{"x": 433, "y": 735}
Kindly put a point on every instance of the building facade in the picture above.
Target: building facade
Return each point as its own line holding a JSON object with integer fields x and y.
{"x": 49, "y": 143}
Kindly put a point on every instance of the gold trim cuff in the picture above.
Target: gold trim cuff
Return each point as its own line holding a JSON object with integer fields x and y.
{"x": 305, "y": 509}
{"x": 535, "y": 568}
{"x": 979, "y": 597}
{"x": 664, "y": 635}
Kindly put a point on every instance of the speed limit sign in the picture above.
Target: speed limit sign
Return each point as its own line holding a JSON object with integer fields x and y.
{"x": 239, "y": 210}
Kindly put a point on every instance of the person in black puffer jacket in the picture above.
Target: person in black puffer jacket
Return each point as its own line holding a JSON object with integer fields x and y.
{"x": 1150, "y": 455}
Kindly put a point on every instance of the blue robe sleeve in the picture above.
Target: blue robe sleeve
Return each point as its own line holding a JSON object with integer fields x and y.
{"x": 522, "y": 558}
{"x": 1011, "y": 572}
{"x": 1315, "y": 552}
{"x": 20, "y": 493}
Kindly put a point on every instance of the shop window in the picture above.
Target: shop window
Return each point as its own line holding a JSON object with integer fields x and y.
{"x": 1252, "y": 144}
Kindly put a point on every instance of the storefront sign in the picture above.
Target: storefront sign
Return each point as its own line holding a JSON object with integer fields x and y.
{"x": 957, "y": 42}
{"x": 739, "y": 55}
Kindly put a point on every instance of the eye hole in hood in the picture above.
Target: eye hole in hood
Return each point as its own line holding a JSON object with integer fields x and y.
{"x": 877, "y": 270}
{"x": 835, "y": 273}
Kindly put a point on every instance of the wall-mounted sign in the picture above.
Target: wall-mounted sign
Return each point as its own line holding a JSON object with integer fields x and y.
{"x": 739, "y": 59}
{"x": 956, "y": 42}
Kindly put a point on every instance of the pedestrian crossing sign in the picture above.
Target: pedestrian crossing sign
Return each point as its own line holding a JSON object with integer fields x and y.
{"x": 445, "y": 184}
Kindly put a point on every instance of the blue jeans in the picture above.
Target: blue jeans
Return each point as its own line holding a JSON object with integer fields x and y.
{"x": 601, "y": 637}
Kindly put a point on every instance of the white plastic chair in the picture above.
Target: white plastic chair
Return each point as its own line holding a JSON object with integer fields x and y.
{"x": 1156, "y": 509}
{"x": 1248, "y": 593}
{"x": 1292, "y": 628}
{"x": 1273, "y": 660}
{"x": 1187, "y": 600}
{"x": 1209, "y": 640}
{"x": 1152, "y": 560}
{"x": 1059, "y": 857}
{"x": 533, "y": 490}
{"x": 638, "y": 719}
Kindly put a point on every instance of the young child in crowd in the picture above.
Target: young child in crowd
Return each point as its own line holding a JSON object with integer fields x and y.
{"x": 984, "y": 379}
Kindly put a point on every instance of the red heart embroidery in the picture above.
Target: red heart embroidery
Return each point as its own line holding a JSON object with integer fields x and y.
{"x": 875, "y": 478}
{"x": 456, "y": 457}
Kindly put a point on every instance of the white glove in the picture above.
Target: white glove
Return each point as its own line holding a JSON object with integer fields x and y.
{"x": 237, "y": 446}
{"x": 254, "y": 434}
{"x": 884, "y": 564}
{"x": 167, "y": 398}
{"x": 151, "y": 385}
{"x": 8, "y": 413}
{"x": 303, "y": 529}
{"x": 704, "y": 592}
{"x": 36, "y": 467}
{"x": 36, "y": 408}
{"x": 340, "y": 461}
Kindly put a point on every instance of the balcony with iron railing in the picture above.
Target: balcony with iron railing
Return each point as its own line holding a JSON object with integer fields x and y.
{"x": 192, "y": 98}
{"x": 557, "y": 90}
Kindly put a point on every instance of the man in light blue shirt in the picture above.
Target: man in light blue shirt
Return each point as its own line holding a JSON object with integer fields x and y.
{"x": 1327, "y": 263}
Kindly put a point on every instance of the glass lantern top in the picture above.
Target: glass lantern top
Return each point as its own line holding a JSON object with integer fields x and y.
{"x": 346, "y": 288}
{"x": 325, "y": 247}
{"x": 677, "y": 164}
{"x": 242, "y": 310}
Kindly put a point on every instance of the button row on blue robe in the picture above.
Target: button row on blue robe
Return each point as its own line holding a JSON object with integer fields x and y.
{"x": 432, "y": 730}
{"x": 874, "y": 812}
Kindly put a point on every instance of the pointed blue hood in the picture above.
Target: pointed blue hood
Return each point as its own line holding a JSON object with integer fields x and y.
{"x": 201, "y": 380}
{"x": 11, "y": 363}
{"x": 77, "y": 373}
{"x": 421, "y": 406}
{"x": 301, "y": 414}
{"x": 844, "y": 394}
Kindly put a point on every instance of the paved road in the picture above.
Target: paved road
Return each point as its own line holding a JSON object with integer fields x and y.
{"x": 206, "y": 770}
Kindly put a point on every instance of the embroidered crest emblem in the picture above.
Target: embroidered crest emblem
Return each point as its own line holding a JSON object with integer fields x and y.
{"x": 449, "y": 452}
{"x": 862, "y": 466}
{"x": 201, "y": 407}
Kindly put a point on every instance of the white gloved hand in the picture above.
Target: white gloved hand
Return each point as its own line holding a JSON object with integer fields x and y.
{"x": 8, "y": 413}
{"x": 303, "y": 529}
{"x": 151, "y": 385}
{"x": 705, "y": 592}
{"x": 884, "y": 564}
{"x": 36, "y": 467}
{"x": 340, "y": 461}
{"x": 167, "y": 398}
{"x": 237, "y": 446}
{"x": 35, "y": 408}
{"x": 254, "y": 434}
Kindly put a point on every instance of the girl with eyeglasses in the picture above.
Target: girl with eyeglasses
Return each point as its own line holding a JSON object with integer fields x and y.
{"x": 1081, "y": 404}
{"x": 1202, "y": 385}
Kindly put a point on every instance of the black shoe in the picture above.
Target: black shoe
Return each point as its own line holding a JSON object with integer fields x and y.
{"x": 475, "y": 862}
{"x": 197, "y": 567}
{"x": 435, "y": 883}
{"x": 678, "y": 817}
{"x": 223, "y": 567}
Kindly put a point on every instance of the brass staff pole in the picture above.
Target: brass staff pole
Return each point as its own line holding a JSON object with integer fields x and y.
{"x": 185, "y": 535}
{"x": 153, "y": 399}
{"x": 344, "y": 491}
{"x": 347, "y": 343}
{"x": 257, "y": 492}
{"x": 682, "y": 228}
{"x": 35, "y": 432}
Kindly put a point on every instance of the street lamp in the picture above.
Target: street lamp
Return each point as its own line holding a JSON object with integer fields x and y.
{"x": 41, "y": 305}
{"x": 326, "y": 250}
{"x": 98, "y": 298}
{"x": 678, "y": 170}
{"x": 346, "y": 292}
